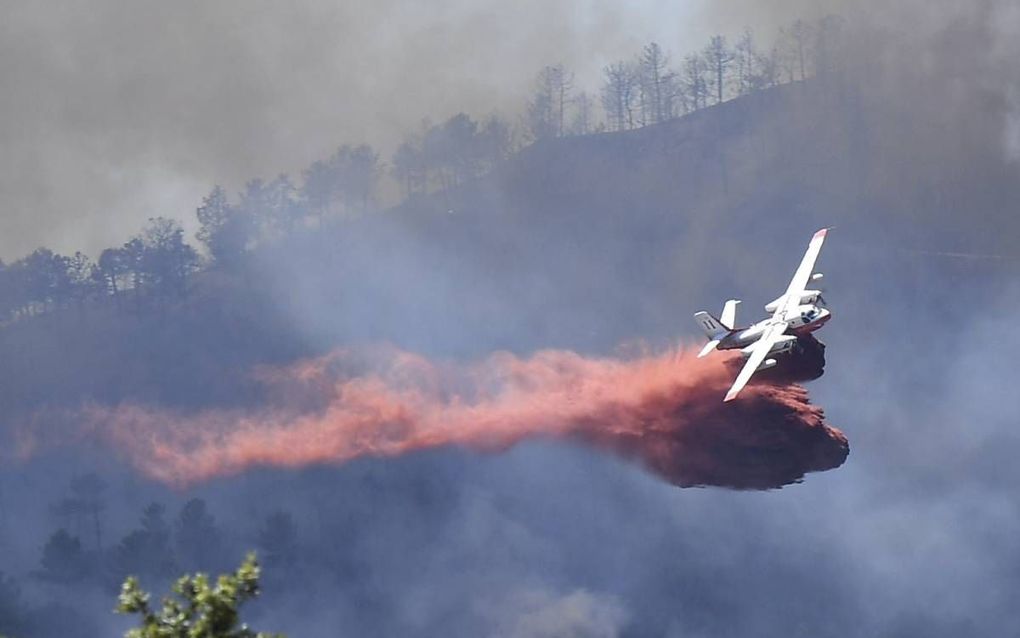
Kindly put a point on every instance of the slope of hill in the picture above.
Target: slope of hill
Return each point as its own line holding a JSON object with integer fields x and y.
{"x": 583, "y": 242}
{"x": 588, "y": 243}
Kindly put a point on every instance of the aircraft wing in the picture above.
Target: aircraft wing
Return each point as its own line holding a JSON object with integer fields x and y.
{"x": 760, "y": 350}
{"x": 803, "y": 274}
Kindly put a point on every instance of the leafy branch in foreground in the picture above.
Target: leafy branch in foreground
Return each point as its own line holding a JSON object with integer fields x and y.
{"x": 197, "y": 608}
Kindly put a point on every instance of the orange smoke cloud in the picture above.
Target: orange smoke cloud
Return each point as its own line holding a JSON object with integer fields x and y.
{"x": 664, "y": 411}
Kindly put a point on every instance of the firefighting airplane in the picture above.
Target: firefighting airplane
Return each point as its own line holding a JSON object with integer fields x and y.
{"x": 797, "y": 312}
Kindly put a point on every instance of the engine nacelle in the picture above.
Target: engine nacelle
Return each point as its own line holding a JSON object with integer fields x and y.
{"x": 766, "y": 364}
{"x": 810, "y": 297}
{"x": 807, "y": 297}
{"x": 817, "y": 282}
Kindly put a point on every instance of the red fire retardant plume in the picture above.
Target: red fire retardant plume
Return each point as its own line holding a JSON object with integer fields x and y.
{"x": 663, "y": 411}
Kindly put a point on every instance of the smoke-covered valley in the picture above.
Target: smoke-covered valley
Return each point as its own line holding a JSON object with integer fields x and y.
{"x": 602, "y": 244}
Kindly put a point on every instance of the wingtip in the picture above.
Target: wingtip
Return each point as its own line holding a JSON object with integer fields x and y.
{"x": 730, "y": 396}
{"x": 821, "y": 233}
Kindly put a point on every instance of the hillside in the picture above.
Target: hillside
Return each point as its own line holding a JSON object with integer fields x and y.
{"x": 600, "y": 244}
{"x": 582, "y": 242}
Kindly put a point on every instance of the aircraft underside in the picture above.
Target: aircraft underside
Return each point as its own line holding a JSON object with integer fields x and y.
{"x": 805, "y": 361}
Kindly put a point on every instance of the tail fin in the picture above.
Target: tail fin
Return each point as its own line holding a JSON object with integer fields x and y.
{"x": 717, "y": 329}
{"x": 729, "y": 314}
{"x": 714, "y": 329}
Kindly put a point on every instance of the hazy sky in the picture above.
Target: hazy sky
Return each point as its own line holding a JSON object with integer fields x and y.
{"x": 112, "y": 111}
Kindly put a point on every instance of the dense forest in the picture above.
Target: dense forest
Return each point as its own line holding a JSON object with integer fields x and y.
{"x": 158, "y": 265}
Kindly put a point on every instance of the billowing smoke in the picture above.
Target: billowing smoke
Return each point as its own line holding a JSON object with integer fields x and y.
{"x": 663, "y": 410}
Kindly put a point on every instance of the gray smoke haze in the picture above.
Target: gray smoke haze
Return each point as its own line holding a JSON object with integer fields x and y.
{"x": 914, "y": 535}
{"x": 113, "y": 112}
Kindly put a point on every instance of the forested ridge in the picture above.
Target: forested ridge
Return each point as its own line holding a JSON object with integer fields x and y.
{"x": 159, "y": 264}
{"x": 162, "y": 319}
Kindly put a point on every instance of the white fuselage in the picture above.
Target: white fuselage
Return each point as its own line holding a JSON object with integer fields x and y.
{"x": 803, "y": 319}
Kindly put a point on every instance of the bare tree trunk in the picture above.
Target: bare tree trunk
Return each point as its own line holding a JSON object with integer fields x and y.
{"x": 719, "y": 82}
{"x": 99, "y": 532}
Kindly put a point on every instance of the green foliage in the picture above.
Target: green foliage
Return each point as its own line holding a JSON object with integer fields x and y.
{"x": 147, "y": 551}
{"x": 11, "y": 607}
{"x": 197, "y": 608}
{"x": 166, "y": 260}
{"x": 198, "y": 541}
{"x": 225, "y": 230}
{"x": 278, "y": 539}
{"x": 348, "y": 179}
{"x": 63, "y": 560}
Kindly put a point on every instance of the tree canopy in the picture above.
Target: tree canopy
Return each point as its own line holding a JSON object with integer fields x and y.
{"x": 197, "y": 608}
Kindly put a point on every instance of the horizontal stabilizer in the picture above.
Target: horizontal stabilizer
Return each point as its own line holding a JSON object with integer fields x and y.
{"x": 712, "y": 327}
{"x": 709, "y": 347}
